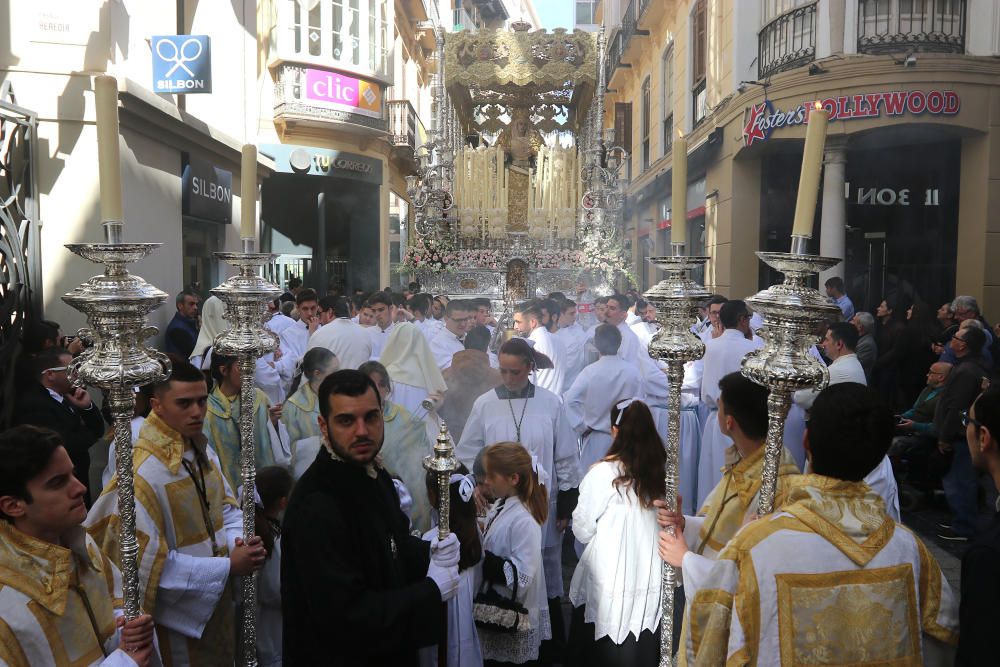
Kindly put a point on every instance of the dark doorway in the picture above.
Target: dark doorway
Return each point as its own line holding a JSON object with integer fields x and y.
{"x": 342, "y": 252}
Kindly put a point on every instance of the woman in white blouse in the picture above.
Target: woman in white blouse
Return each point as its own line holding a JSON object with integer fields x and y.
{"x": 616, "y": 587}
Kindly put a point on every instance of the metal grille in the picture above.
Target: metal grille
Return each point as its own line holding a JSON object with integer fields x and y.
{"x": 911, "y": 25}
{"x": 787, "y": 42}
{"x": 20, "y": 277}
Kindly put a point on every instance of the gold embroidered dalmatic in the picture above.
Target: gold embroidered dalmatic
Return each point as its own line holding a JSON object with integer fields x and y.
{"x": 828, "y": 579}
{"x": 169, "y": 518}
{"x": 57, "y": 604}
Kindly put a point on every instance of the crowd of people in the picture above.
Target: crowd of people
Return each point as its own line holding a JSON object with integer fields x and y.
{"x": 559, "y": 431}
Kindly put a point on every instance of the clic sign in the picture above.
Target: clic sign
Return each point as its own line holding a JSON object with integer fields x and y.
{"x": 339, "y": 90}
{"x": 762, "y": 119}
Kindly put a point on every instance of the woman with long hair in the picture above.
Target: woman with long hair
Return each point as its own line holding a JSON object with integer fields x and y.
{"x": 616, "y": 587}
{"x": 513, "y": 546}
{"x": 463, "y": 639}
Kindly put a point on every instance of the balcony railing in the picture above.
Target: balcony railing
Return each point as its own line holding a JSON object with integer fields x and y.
{"x": 911, "y": 25}
{"x": 629, "y": 29}
{"x": 787, "y": 42}
{"x": 405, "y": 128}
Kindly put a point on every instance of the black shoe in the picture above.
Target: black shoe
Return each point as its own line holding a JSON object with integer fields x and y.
{"x": 952, "y": 536}
{"x": 944, "y": 525}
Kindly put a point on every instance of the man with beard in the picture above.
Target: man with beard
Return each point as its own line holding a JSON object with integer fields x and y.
{"x": 356, "y": 587}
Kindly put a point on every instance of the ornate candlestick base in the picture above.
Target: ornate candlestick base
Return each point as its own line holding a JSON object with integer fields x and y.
{"x": 676, "y": 298}
{"x": 443, "y": 463}
{"x": 246, "y": 295}
{"x": 116, "y": 304}
{"x": 791, "y": 311}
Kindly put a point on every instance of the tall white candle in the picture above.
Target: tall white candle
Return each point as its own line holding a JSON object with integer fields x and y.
{"x": 679, "y": 184}
{"x": 812, "y": 167}
{"x": 108, "y": 159}
{"x": 248, "y": 192}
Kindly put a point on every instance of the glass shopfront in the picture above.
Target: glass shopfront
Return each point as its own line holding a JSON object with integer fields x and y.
{"x": 902, "y": 194}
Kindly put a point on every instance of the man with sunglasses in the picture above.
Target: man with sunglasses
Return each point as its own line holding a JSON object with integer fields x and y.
{"x": 960, "y": 390}
{"x": 56, "y": 404}
{"x": 447, "y": 340}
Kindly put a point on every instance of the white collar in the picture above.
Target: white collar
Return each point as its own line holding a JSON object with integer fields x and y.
{"x": 58, "y": 397}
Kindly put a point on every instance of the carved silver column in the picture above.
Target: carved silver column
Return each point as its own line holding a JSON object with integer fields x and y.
{"x": 442, "y": 463}
{"x": 676, "y": 298}
{"x": 792, "y": 311}
{"x": 116, "y": 304}
{"x": 246, "y": 295}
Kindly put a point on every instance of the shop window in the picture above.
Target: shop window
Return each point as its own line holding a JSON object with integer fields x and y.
{"x": 645, "y": 124}
{"x": 667, "y": 89}
{"x": 699, "y": 60}
{"x": 623, "y": 129}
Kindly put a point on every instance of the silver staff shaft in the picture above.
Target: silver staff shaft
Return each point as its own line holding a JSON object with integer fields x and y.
{"x": 246, "y": 296}
{"x": 676, "y": 298}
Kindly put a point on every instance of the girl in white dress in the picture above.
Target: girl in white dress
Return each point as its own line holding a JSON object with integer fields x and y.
{"x": 513, "y": 544}
{"x": 616, "y": 587}
{"x": 463, "y": 641}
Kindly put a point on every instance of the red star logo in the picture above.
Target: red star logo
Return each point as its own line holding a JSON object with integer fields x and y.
{"x": 754, "y": 130}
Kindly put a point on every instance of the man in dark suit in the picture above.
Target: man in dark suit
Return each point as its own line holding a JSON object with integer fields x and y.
{"x": 979, "y": 614}
{"x": 182, "y": 331}
{"x": 55, "y": 404}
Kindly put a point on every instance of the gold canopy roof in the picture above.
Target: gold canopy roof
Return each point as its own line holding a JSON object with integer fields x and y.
{"x": 490, "y": 72}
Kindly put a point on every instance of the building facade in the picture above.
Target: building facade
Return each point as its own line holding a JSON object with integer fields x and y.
{"x": 912, "y": 162}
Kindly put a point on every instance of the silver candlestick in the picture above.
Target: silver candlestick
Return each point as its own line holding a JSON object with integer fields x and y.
{"x": 116, "y": 304}
{"x": 443, "y": 463}
{"x": 791, "y": 311}
{"x": 676, "y": 298}
{"x": 246, "y": 296}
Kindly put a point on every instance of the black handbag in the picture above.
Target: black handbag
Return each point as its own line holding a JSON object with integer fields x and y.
{"x": 492, "y": 611}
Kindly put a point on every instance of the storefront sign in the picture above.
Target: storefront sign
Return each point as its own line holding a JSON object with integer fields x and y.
{"x": 341, "y": 91}
{"x": 324, "y": 162}
{"x": 876, "y": 196}
{"x": 182, "y": 64}
{"x": 762, "y": 119}
{"x": 207, "y": 191}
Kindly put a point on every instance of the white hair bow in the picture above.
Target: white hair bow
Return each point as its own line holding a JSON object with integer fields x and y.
{"x": 466, "y": 485}
{"x": 621, "y": 405}
{"x": 538, "y": 469}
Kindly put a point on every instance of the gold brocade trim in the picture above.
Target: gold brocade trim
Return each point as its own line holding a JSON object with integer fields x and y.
{"x": 862, "y": 553}
{"x": 517, "y": 201}
{"x": 11, "y": 652}
{"x": 38, "y": 569}
{"x": 930, "y": 595}
{"x": 747, "y": 605}
{"x": 304, "y": 398}
{"x": 56, "y": 644}
{"x": 700, "y": 613}
{"x": 539, "y": 59}
{"x": 847, "y": 619}
{"x": 163, "y": 442}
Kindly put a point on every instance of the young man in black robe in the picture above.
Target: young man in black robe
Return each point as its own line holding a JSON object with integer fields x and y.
{"x": 356, "y": 588}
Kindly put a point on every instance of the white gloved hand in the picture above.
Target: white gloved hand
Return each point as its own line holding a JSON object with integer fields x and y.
{"x": 447, "y": 552}
{"x": 446, "y": 579}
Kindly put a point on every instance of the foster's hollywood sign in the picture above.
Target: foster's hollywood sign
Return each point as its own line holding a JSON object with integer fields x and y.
{"x": 762, "y": 119}
{"x": 338, "y": 90}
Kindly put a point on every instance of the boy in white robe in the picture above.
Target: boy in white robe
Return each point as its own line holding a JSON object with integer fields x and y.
{"x": 828, "y": 578}
{"x": 601, "y": 385}
{"x": 60, "y": 598}
{"x": 528, "y": 322}
{"x": 723, "y": 355}
{"x": 188, "y": 525}
{"x": 574, "y": 338}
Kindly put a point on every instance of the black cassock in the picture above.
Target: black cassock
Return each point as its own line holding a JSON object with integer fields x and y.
{"x": 354, "y": 585}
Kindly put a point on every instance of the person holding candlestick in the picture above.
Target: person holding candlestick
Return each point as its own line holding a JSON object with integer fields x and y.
{"x": 829, "y": 578}
{"x": 357, "y": 588}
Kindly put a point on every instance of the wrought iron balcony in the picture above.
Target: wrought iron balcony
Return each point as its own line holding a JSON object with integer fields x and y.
{"x": 405, "y": 128}
{"x": 911, "y": 25}
{"x": 629, "y": 28}
{"x": 787, "y": 42}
